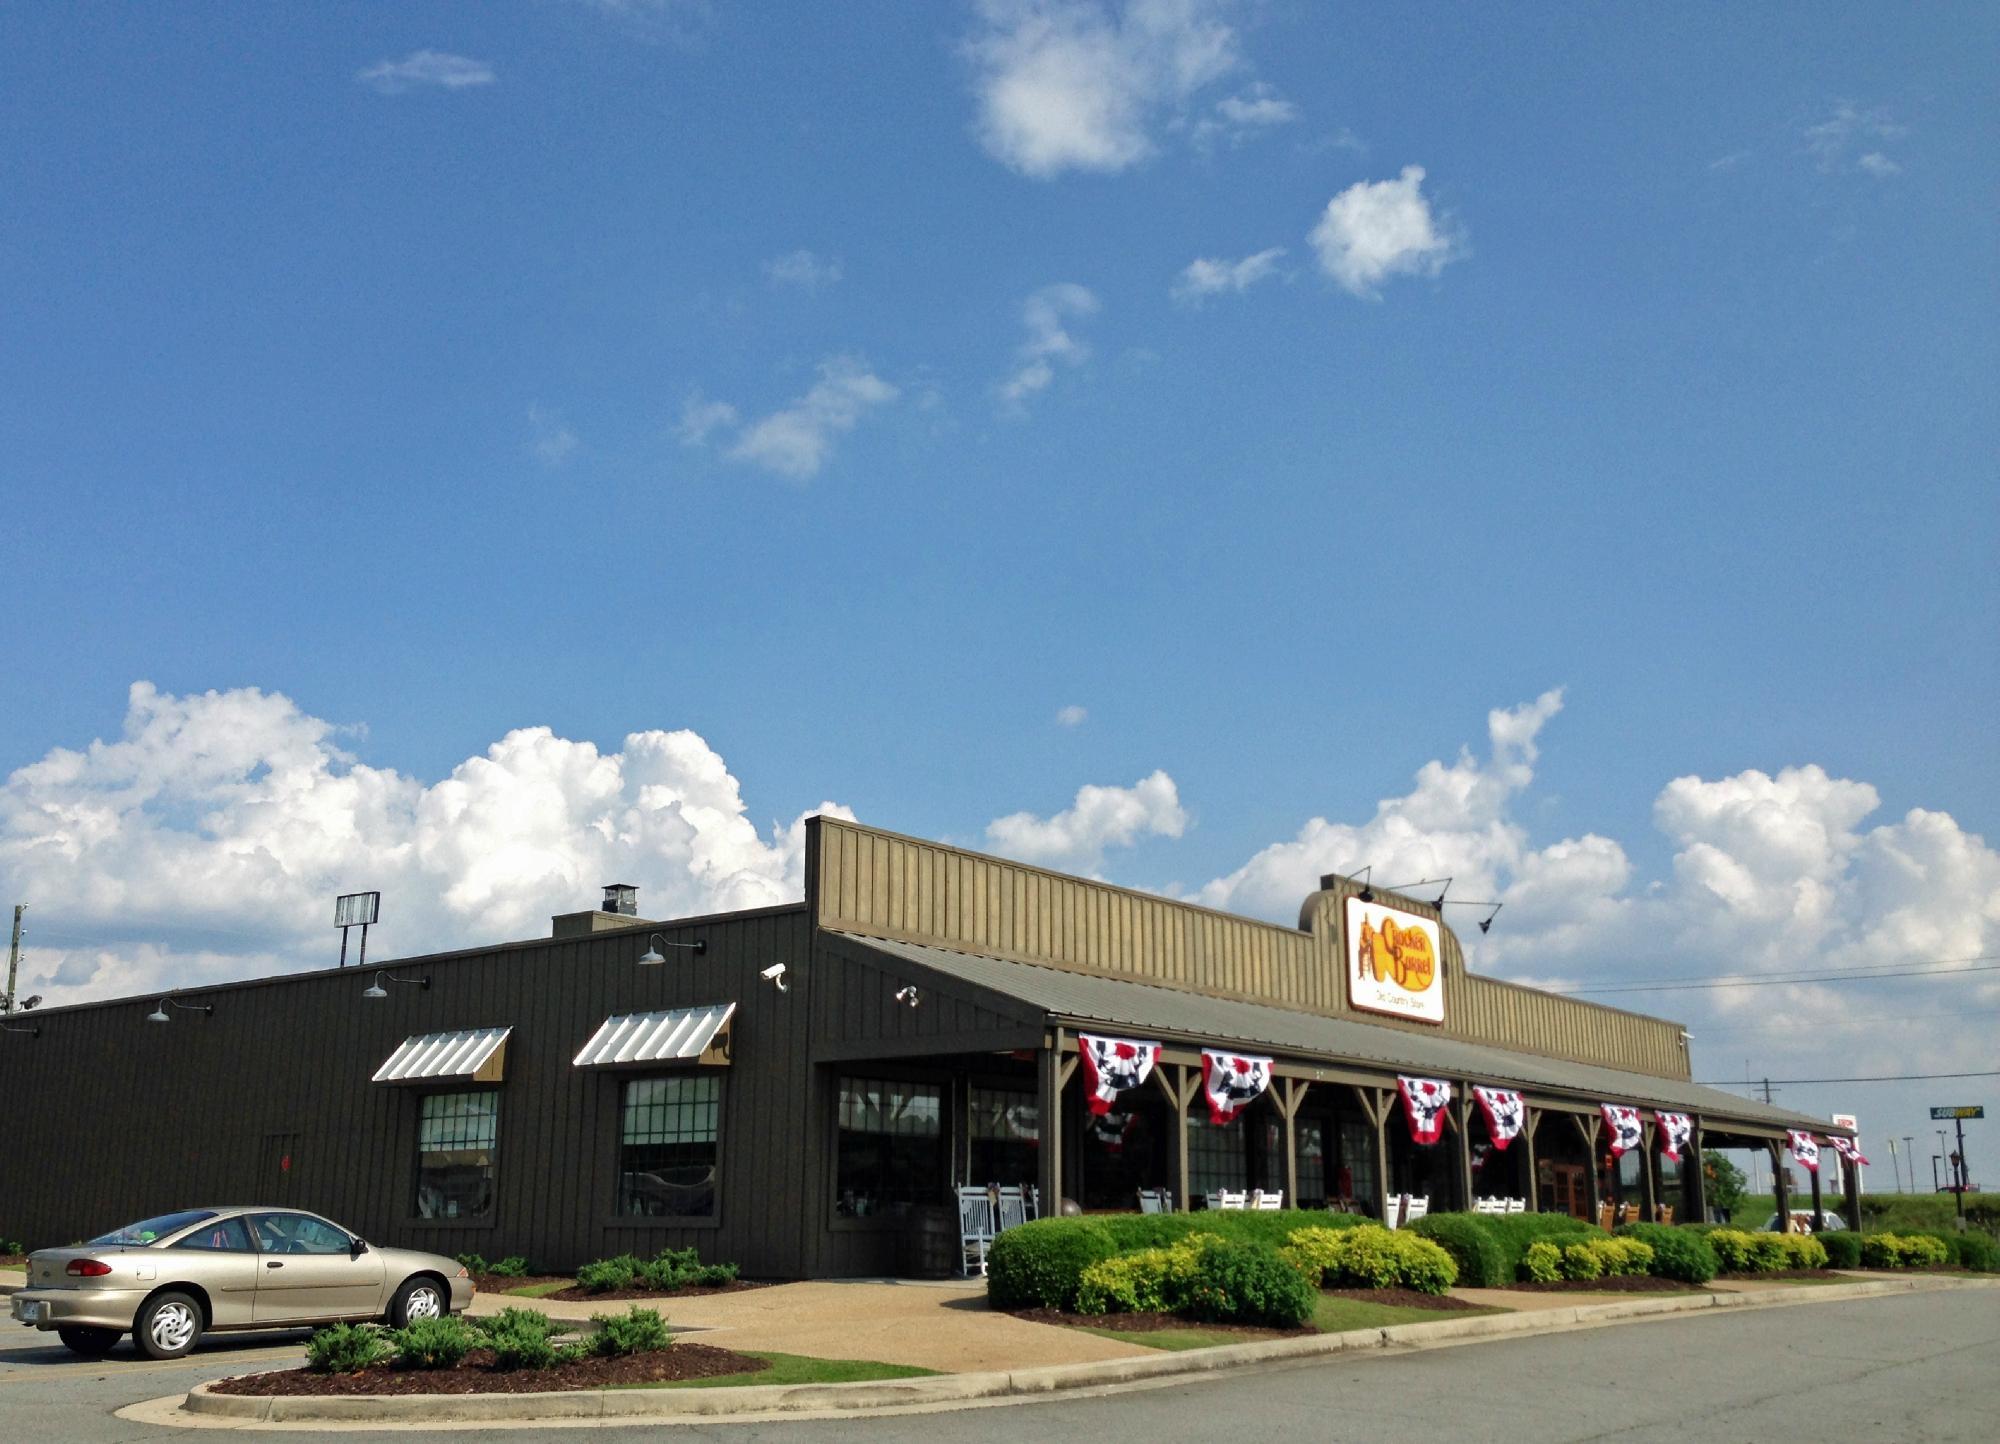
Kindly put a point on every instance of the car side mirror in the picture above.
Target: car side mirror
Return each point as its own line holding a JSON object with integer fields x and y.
{"x": 356, "y": 1248}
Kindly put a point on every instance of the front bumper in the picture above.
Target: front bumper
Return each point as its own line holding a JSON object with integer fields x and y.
{"x": 461, "y": 1295}
{"x": 67, "y": 1308}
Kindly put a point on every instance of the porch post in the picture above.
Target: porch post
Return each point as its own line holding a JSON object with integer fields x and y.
{"x": 1648, "y": 1187}
{"x": 1534, "y": 1121}
{"x": 1462, "y": 1120}
{"x": 1696, "y": 1178}
{"x": 1184, "y": 1087}
{"x": 1783, "y": 1194}
{"x": 1850, "y": 1175}
{"x": 1587, "y": 1129}
{"x": 1292, "y": 1093}
{"x": 1819, "y": 1206}
{"x": 1050, "y": 1100}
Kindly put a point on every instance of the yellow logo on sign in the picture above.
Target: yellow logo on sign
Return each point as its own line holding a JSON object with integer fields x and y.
{"x": 1399, "y": 955}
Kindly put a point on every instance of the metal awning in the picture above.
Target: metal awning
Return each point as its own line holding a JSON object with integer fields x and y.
{"x": 471, "y": 1055}
{"x": 677, "y": 1035}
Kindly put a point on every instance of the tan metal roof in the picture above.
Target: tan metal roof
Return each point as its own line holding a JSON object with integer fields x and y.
{"x": 1154, "y": 1011}
{"x": 475, "y": 1054}
{"x": 677, "y": 1035}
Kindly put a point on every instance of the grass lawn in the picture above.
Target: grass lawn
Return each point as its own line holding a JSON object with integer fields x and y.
{"x": 1172, "y": 1340}
{"x": 801, "y": 1369}
{"x": 540, "y": 1291}
{"x": 1331, "y": 1316}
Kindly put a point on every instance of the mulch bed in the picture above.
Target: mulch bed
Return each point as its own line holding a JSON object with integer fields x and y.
{"x": 692, "y": 1291}
{"x": 478, "y": 1376}
{"x": 13, "y": 1260}
{"x": 1629, "y": 1284}
{"x": 1404, "y": 1299}
{"x": 1149, "y": 1324}
{"x": 501, "y": 1283}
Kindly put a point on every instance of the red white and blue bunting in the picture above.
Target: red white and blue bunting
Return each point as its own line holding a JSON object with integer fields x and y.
{"x": 1626, "y": 1130}
{"x": 1847, "y": 1148}
{"x": 1805, "y": 1148}
{"x": 1675, "y": 1130}
{"x": 1425, "y": 1100}
{"x": 1505, "y": 1113}
{"x": 1112, "y": 1065}
{"x": 1232, "y": 1082}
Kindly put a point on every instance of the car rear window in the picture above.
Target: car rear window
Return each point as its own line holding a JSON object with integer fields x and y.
{"x": 151, "y": 1230}
{"x": 224, "y": 1235}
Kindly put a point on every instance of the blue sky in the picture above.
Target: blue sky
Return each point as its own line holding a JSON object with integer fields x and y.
{"x": 830, "y": 382}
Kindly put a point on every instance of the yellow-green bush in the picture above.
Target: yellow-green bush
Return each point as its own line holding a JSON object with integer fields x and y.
{"x": 1542, "y": 1263}
{"x": 1581, "y": 1261}
{"x": 1370, "y": 1257}
{"x": 1735, "y": 1250}
{"x": 1806, "y": 1251}
{"x": 1152, "y": 1280}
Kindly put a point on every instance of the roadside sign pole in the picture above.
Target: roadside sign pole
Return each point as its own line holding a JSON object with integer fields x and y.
{"x": 1963, "y": 1173}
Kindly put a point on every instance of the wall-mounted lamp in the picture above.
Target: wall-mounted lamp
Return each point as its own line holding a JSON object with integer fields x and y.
{"x": 908, "y": 995}
{"x": 376, "y": 991}
{"x": 1367, "y": 892}
{"x": 775, "y": 976}
{"x": 160, "y": 1014}
{"x": 1485, "y": 923}
{"x": 33, "y": 1030}
{"x": 653, "y": 957}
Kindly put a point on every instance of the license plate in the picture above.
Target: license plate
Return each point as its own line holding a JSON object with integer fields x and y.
{"x": 30, "y": 1311}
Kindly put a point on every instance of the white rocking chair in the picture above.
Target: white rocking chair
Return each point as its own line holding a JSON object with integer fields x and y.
{"x": 975, "y": 1229}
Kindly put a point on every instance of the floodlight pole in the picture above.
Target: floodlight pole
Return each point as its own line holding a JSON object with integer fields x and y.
{"x": 13, "y": 961}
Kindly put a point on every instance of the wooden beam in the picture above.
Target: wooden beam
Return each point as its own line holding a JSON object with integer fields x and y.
{"x": 1783, "y": 1194}
{"x": 1050, "y": 1099}
{"x": 1587, "y": 1126}
{"x": 1532, "y": 1122}
{"x": 1648, "y": 1186}
{"x": 1464, "y": 1153}
{"x": 1065, "y": 1072}
{"x": 1182, "y": 1094}
{"x": 1291, "y": 1093}
{"x": 1695, "y": 1171}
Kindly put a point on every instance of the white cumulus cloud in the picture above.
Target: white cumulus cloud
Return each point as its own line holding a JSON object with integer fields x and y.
{"x": 1205, "y": 277}
{"x": 1235, "y": 119}
{"x": 1100, "y": 817}
{"x": 1375, "y": 230}
{"x": 1047, "y": 316}
{"x": 795, "y": 440}
{"x": 1072, "y": 716}
{"x": 426, "y": 69}
{"x": 803, "y": 269}
{"x": 210, "y": 838}
{"x": 1080, "y": 85}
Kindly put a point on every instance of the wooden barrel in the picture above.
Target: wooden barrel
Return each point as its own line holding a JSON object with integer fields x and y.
{"x": 927, "y": 1248}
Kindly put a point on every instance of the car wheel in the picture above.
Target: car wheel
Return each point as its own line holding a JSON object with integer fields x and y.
{"x": 422, "y": 1297}
{"x": 168, "y": 1326}
{"x": 90, "y": 1343}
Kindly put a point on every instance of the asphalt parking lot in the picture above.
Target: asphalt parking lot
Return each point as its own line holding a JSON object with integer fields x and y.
{"x": 43, "y": 1386}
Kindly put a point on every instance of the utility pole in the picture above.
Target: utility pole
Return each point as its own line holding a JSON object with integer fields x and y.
{"x": 1895, "y": 1164}
{"x": 13, "y": 960}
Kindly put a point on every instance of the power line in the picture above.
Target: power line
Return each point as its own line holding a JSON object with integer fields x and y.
{"x": 1763, "y": 1029}
{"x": 1853, "y": 969}
{"x": 1770, "y": 981}
{"x": 1887, "y": 1078}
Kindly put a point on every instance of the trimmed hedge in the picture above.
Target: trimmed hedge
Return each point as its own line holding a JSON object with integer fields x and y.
{"x": 1247, "y": 1283}
{"x": 1475, "y": 1248}
{"x": 1040, "y": 1265}
{"x": 1370, "y": 1257}
{"x": 1903, "y": 1251}
{"x": 1677, "y": 1253}
{"x": 1963, "y": 1250}
{"x": 1843, "y": 1248}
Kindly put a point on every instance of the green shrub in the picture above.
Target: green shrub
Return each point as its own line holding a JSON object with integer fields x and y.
{"x": 1977, "y": 1251}
{"x": 524, "y": 1339}
{"x": 432, "y": 1343}
{"x": 1882, "y": 1251}
{"x": 1925, "y": 1250}
{"x": 511, "y": 1267}
{"x": 1903, "y": 1251}
{"x": 1734, "y": 1250}
{"x": 1370, "y": 1257}
{"x": 1247, "y": 1283}
{"x": 1515, "y": 1233}
{"x": 1150, "y": 1280}
{"x": 711, "y": 1276}
{"x": 1271, "y": 1228}
{"x": 1678, "y": 1253}
{"x": 345, "y": 1348}
{"x": 1806, "y": 1251}
{"x": 1770, "y": 1252}
{"x": 1624, "y": 1257}
{"x": 1542, "y": 1263}
{"x": 603, "y": 1276}
{"x": 1581, "y": 1261}
{"x": 636, "y": 1331}
{"x": 1475, "y": 1248}
{"x": 1039, "y": 1265}
{"x": 12, "y": 1246}
{"x": 1843, "y": 1248}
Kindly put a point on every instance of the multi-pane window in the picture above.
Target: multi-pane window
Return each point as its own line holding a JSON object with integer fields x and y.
{"x": 1355, "y": 1177}
{"x": 456, "y": 1134}
{"x": 1217, "y": 1155}
{"x": 1006, "y": 1136}
{"x": 666, "y": 1146}
{"x": 891, "y": 1147}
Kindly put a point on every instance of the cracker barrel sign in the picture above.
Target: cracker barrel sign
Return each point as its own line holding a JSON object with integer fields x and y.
{"x": 1395, "y": 962}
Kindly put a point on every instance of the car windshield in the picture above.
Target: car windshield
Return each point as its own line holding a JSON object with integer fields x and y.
{"x": 150, "y": 1230}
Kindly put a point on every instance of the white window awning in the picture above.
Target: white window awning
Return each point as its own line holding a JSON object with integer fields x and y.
{"x": 678, "y": 1035}
{"x": 470, "y": 1055}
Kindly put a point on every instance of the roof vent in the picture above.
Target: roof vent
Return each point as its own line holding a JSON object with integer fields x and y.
{"x": 621, "y": 898}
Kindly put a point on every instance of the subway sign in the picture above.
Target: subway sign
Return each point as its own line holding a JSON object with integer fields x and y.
{"x": 1975, "y": 1111}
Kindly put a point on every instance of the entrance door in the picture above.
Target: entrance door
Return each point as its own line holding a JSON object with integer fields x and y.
{"x": 1563, "y": 1189}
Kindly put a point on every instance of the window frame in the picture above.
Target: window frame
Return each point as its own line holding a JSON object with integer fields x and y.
{"x": 865, "y": 1072}
{"x": 491, "y": 1218}
{"x": 657, "y": 1222}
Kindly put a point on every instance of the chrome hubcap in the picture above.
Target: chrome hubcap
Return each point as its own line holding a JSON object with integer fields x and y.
{"x": 174, "y": 1326}
{"x": 425, "y": 1304}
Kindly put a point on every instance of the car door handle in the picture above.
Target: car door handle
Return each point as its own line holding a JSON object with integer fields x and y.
{"x": 272, "y": 1263}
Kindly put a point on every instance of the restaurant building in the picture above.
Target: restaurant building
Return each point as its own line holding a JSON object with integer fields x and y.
{"x": 797, "y": 1088}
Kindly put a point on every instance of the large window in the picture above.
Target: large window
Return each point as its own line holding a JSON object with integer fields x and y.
{"x": 456, "y": 1133}
{"x": 891, "y": 1148}
{"x": 1006, "y": 1136}
{"x": 666, "y": 1146}
{"x": 1218, "y": 1154}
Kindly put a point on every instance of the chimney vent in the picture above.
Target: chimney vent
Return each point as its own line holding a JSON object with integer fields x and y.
{"x": 621, "y": 898}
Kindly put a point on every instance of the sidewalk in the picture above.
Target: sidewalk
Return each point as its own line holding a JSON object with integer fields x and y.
{"x": 12, "y": 1279}
{"x": 943, "y": 1326}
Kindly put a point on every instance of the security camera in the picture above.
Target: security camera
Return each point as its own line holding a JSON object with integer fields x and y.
{"x": 31, "y": 1002}
{"x": 775, "y": 974}
{"x": 908, "y": 994}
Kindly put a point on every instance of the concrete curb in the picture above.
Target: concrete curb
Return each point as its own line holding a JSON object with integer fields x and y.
{"x": 1024, "y": 1384}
